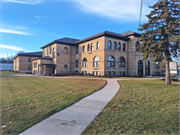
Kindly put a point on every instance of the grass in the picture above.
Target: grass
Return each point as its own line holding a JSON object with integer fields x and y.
{"x": 10, "y": 72}
{"x": 140, "y": 107}
{"x": 7, "y": 72}
{"x": 26, "y": 101}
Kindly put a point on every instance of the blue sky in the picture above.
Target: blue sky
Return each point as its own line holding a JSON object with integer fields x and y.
{"x": 27, "y": 25}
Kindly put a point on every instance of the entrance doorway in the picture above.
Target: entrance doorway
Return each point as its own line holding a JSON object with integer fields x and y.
{"x": 147, "y": 68}
{"x": 140, "y": 68}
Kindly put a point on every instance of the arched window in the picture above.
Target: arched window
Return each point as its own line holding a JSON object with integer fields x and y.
{"x": 65, "y": 50}
{"x": 140, "y": 68}
{"x": 84, "y": 64}
{"x": 91, "y": 47}
{"x": 137, "y": 44}
{"x": 54, "y": 52}
{"x": 115, "y": 46}
{"x": 77, "y": 49}
{"x": 98, "y": 45}
{"x": 147, "y": 68}
{"x": 119, "y": 46}
{"x": 88, "y": 48}
{"x": 96, "y": 61}
{"x": 121, "y": 62}
{"x": 124, "y": 47}
{"x": 83, "y": 49}
{"x": 111, "y": 61}
{"x": 109, "y": 44}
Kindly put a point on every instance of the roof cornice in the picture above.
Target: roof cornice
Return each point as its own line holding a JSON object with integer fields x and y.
{"x": 106, "y": 34}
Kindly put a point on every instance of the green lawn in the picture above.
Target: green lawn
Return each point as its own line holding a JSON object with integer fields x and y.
{"x": 140, "y": 107}
{"x": 10, "y": 72}
{"x": 7, "y": 72}
{"x": 26, "y": 101}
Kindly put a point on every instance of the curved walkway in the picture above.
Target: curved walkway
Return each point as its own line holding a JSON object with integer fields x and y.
{"x": 75, "y": 118}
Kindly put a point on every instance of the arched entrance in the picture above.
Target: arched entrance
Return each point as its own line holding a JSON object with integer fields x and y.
{"x": 140, "y": 68}
{"x": 147, "y": 68}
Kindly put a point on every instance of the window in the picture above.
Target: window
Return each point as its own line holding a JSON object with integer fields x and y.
{"x": 98, "y": 45}
{"x": 29, "y": 59}
{"x": 111, "y": 61}
{"x": 65, "y": 50}
{"x": 43, "y": 52}
{"x": 120, "y": 73}
{"x": 121, "y": 62}
{"x": 162, "y": 71}
{"x": 119, "y": 46}
{"x": 29, "y": 67}
{"x": 147, "y": 68}
{"x": 47, "y": 50}
{"x": 124, "y": 73}
{"x": 35, "y": 64}
{"x": 109, "y": 44}
{"x": 113, "y": 73}
{"x": 157, "y": 73}
{"x": 65, "y": 66}
{"x": 50, "y": 49}
{"x": 137, "y": 44}
{"x": 84, "y": 72}
{"x": 54, "y": 52}
{"x": 77, "y": 49}
{"x": 94, "y": 73}
{"x": 97, "y": 73}
{"x": 84, "y": 62}
{"x": 109, "y": 73}
{"x": 124, "y": 47}
{"x": 83, "y": 49}
{"x": 88, "y": 48}
{"x": 76, "y": 72}
{"x": 96, "y": 61}
{"x": 157, "y": 65}
{"x": 91, "y": 47}
{"x": 140, "y": 68}
{"x": 76, "y": 64}
{"x": 115, "y": 46}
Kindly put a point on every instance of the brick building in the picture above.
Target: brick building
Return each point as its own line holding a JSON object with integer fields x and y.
{"x": 104, "y": 54}
{"x": 23, "y": 61}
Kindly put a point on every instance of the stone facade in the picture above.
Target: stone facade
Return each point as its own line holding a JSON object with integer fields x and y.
{"x": 95, "y": 56}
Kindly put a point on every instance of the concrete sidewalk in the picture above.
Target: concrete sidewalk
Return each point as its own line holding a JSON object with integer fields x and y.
{"x": 75, "y": 118}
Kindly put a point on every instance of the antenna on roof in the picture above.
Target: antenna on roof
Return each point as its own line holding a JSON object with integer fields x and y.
{"x": 140, "y": 13}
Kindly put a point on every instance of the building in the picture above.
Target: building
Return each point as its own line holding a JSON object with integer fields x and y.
{"x": 6, "y": 65}
{"x": 23, "y": 61}
{"x": 105, "y": 54}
